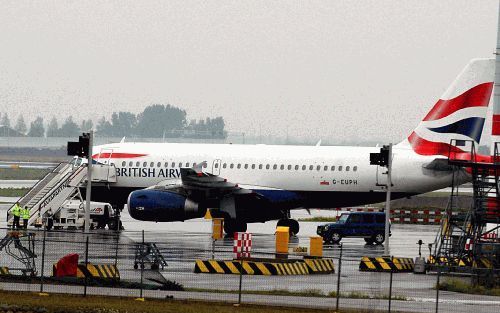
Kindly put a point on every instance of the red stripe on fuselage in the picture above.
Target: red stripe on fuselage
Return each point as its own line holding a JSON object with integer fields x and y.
{"x": 478, "y": 96}
{"x": 117, "y": 155}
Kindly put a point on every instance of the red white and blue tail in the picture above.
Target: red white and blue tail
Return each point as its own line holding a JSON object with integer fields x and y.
{"x": 459, "y": 114}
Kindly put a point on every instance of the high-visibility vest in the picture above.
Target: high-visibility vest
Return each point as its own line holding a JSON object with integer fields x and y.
{"x": 16, "y": 210}
{"x": 25, "y": 214}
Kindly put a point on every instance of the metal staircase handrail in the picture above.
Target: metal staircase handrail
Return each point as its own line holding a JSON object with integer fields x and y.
{"x": 61, "y": 185}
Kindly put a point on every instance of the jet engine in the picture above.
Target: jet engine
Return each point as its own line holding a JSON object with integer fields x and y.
{"x": 162, "y": 206}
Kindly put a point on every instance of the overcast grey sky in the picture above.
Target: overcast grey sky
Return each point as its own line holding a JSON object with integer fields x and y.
{"x": 321, "y": 69}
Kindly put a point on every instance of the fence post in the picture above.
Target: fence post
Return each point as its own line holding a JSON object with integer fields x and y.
{"x": 241, "y": 281}
{"x": 116, "y": 252}
{"x": 338, "y": 280}
{"x": 390, "y": 285}
{"x": 43, "y": 261}
{"x": 86, "y": 265}
{"x": 142, "y": 264}
{"x": 437, "y": 288}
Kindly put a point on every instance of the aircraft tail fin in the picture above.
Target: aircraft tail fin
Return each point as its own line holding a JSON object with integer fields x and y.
{"x": 459, "y": 113}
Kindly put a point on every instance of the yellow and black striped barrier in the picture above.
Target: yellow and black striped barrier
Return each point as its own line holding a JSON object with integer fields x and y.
{"x": 386, "y": 264}
{"x": 320, "y": 266}
{"x": 462, "y": 262}
{"x": 247, "y": 267}
{"x": 4, "y": 271}
{"x": 95, "y": 271}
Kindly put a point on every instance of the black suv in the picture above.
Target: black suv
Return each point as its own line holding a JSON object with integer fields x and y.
{"x": 369, "y": 225}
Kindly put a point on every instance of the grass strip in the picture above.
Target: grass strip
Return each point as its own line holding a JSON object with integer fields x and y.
{"x": 304, "y": 293}
{"x": 13, "y": 192}
{"x": 61, "y": 303}
{"x": 22, "y": 173}
{"x": 457, "y": 285}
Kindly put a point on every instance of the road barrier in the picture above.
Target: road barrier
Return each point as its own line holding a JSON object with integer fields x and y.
{"x": 386, "y": 264}
{"x": 462, "y": 262}
{"x": 405, "y": 216}
{"x": 246, "y": 267}
{"x": 94, "y": 271}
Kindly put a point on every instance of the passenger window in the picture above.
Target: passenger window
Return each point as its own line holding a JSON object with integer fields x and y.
{"x": 260, "y": 166}
{"x": 296, "y": 167}
{"x": 124, "y": 163}
{"x": 253, "y": 166}
{"x": 347, "y": 168}
{"x": 304, "y": 167}
{"x": 267, "y": 166}
{"x": 166, "y": 164}
{"x": 137, "y": 164}
{"x": 173, "y": 164}
{"x": 354, "y": 168}
{"x": 224, "y": 165}
{"x": 340, "y": 168}
{"x": 246, "y": 166}
{"x": 275, "y": 166}
{"x": 130, "y": 163}
{"x": 311, "y": 167}
{"x": 216, "y": 165}
{"x": 325, "y": 168}
{"x": 282, "y": 167}
{"x": 332, "y": 168}
{"x": 318, "y": 167}
{"x": 152, "y": 164}
{"x": 231, "y": 166}
{"x": 180, "y": 164}
{"x": 239, "y": 165}
{"x": 158, "y": 164}
{"x": 289, "y": 167}
{"x": 355, "y": 218}
{"x": 379, "y": 218}
{"x": 367, "y": 218}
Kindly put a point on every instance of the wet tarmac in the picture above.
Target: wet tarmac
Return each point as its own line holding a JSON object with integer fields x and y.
{"x": 181, "y": 243}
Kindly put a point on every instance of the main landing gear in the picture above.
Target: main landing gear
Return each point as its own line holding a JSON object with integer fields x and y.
{"x": 232, "y": 226}
{"x": 293, "y": 225}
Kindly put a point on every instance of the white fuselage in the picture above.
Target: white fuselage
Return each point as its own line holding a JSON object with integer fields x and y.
{"x": 269, "y": 167}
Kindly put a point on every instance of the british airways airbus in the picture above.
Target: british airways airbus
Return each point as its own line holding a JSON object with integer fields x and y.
{"x": 256, "y": 183}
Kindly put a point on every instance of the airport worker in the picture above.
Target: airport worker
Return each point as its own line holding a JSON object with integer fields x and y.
{"x": 25, "y": 213}
{"x": 16, "y": 212}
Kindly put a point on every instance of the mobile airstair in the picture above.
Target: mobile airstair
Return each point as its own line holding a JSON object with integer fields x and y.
{"x": 60, "y": 184}
{"x": 471, "y": 237}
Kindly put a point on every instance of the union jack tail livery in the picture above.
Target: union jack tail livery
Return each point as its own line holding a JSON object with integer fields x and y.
{"x": 459, "y": 113}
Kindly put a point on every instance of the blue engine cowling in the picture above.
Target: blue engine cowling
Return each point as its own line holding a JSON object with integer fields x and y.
{"x": 161, "y": 206}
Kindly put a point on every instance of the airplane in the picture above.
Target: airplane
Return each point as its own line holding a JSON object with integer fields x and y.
{"x": 164, "y": 182}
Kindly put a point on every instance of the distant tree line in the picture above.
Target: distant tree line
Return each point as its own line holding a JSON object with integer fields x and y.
{"x": 156, "y": 121}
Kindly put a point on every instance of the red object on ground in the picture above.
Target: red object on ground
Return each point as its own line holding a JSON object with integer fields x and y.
{"x": 67, "y": 266}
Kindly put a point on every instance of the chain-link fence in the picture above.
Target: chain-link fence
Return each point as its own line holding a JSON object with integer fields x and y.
{"x": 159, "y": 265}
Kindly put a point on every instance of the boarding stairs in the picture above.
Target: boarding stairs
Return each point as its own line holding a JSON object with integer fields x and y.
{"x": 472, "y": 237}
{"x": 60, "y": 184}
{"x": 150, "y": 253}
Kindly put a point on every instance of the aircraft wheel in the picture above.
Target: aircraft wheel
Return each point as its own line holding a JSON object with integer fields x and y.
{"x": 293, "y": 225}
{"x": 231, "y": 226}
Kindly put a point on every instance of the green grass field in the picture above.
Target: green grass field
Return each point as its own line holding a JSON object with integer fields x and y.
{"x": 22, "y": 173}
{"x": 13, "y": 192}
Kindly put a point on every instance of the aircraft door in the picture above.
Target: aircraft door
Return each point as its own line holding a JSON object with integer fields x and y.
{"x": 104, "y": 157}
{"x": 216, "y": 166}
{"x": 381, "y": 176}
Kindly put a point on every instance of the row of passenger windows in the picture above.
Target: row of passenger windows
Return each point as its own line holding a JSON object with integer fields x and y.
{"x": 251, "y": 166}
